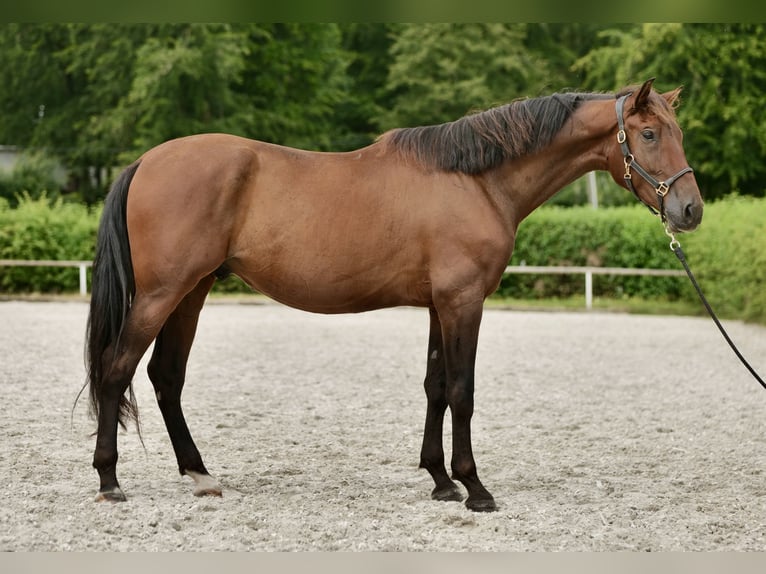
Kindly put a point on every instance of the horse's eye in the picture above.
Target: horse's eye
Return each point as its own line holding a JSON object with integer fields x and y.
{"x": 648, "y": 135}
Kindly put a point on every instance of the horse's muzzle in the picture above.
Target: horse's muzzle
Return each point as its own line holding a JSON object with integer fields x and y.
{"x": 683, "y": 215}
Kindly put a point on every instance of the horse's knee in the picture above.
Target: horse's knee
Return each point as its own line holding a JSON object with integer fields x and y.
{"x": 460, "y": 400}
{"x": 435, "y": 396}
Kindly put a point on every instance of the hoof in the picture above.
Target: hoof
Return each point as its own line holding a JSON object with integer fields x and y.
{"x": 111, "y": 495}
{"x": 447, "y": 493}
{"x": 481, "y": 504}
{"x": 208, "y": 492}
{"x": 204, "y": 484}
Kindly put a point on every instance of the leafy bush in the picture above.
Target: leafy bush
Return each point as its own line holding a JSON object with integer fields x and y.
{"x": 44, "y": 229}
{"x": 611, "y": 237}
{"x": 34, "y": 175}
{"x": 727, "y": 254}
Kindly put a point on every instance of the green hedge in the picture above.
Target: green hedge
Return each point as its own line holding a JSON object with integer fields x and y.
{"x": 38, "y": 228}
{"x": 727, "y": 252}
{"x": 44, "y": 229}
{"x": 582, "y": 236}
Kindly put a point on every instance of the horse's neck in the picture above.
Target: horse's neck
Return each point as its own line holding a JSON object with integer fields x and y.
{"x": 581, "y": 146}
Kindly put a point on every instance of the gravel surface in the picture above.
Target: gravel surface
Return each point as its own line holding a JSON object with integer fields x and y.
{"x": 593, "y": 431}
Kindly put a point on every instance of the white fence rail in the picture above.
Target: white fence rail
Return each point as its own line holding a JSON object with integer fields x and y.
{"x": 588, "y": 272}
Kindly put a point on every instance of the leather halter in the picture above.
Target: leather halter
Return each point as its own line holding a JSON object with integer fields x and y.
{"x": 661, "y": 188}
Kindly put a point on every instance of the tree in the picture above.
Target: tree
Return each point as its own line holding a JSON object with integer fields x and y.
{"x": 295, "y": 78}
{"x": 561, "y": 45}
{"x": 32, "y": 80}
{"x": 179, "y": 84}
{"x": 367, "y": 46}
{"x": 96, "y": 96}
{"x": 98, "y": 61}
{"x": 56, "y": 81}
{"x": 441, "y": 72}
{"x": 277, "y": 83}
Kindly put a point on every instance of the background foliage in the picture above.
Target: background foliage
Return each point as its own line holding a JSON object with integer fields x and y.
{"x": 44, "y": 229}
{"x": 727, "y": 254}
{"x": 94, "y": 96}
{"x": 86, "y": 99}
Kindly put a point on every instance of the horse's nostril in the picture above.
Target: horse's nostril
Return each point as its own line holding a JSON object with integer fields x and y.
{"x": 693, "y": 212}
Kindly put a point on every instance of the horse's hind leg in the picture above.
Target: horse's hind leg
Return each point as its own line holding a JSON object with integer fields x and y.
{"x": 167, "y": 371}
{"x": 432, "y": 452}
{"x": 142, "y": 324}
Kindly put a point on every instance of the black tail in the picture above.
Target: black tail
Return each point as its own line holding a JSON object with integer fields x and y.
{"x": 113, "y": 289}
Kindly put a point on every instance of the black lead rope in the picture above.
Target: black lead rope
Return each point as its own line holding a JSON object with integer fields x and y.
{"x": 675, "y": 246}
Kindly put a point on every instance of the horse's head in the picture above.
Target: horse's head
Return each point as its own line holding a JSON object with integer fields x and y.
{"x": 649, "y": 158}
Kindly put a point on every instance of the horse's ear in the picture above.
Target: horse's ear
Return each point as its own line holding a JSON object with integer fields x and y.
{"x": 642, "y": 99}
{"x": 672, "y": 97}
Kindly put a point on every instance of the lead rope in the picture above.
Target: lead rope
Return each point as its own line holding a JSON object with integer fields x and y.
{"x": 675, "y": 247}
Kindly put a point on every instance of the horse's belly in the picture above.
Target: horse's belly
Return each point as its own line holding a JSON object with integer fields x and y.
{"x": 340, "y": 292}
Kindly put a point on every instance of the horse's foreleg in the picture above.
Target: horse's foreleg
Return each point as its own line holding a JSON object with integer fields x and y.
{"x": 167, "y": 371}
{"x": 432, "y": 452}
{"x": 460, "y": 332}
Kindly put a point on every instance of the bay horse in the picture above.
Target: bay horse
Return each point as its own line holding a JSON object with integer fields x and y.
{"x": 424, "y": 216}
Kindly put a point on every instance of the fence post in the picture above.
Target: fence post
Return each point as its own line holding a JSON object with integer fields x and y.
{"x": 83, "y": 280}
{"x": 588, "y": 289}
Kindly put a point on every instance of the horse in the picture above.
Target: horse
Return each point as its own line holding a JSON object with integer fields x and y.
{"x": 424, "y": 216}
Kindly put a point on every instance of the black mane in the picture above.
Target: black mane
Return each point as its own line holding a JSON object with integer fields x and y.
{"x": 478, "y": 142}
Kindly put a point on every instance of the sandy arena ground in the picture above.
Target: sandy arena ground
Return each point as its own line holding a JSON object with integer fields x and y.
{"x": 593, "y": 431}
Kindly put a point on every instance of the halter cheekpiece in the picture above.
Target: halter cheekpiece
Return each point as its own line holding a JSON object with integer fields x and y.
{"x": 661, "y": 188}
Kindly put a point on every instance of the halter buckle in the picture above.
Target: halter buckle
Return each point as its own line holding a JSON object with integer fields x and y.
{"x": 662, "y": 189}
{"x": 621, "y": 137}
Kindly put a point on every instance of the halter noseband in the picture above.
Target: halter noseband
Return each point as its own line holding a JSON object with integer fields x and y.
{"x": 661, "y": 188}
